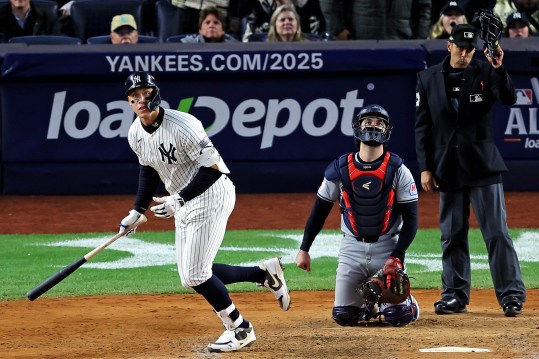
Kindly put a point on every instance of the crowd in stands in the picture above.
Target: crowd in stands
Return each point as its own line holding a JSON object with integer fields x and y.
{"x": 259, "y": 20}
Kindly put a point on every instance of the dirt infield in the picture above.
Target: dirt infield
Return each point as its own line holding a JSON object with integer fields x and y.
{"x": 179, "y": 326}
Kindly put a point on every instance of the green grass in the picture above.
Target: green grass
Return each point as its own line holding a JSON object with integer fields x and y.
{"x": 27, "y": 260}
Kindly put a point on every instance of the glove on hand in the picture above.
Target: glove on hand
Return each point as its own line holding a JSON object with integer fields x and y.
{"x": 169, "y": 205}
{"x": 391, "y": 267}
{"x": 129, "y": 220}
{"x": 375, "y": 290}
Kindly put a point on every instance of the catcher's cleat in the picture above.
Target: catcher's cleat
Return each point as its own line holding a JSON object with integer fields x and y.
{"x": 232, "y": 340}
{"x": 449, "y": 306}
{"x": 276, "y": 282}
{"x": 512, "y": 306}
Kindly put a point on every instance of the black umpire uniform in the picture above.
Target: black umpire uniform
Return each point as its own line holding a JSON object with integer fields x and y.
{"x": 455, "y": 142}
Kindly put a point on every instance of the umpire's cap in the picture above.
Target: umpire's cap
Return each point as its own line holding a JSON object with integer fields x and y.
{"x": 464, "y": 35}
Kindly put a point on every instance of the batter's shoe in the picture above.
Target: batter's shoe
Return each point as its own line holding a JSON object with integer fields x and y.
{"x": 232, "y": 340}
{"x": 512, "y": 306}
{"x": 449, "y": 306}
{"x": 275, "y": 281}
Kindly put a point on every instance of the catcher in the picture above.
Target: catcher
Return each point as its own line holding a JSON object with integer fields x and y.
{"x": 378, "y": 200}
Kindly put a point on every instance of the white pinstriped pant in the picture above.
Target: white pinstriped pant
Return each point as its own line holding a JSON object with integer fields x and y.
{"x": 200, "y": 229}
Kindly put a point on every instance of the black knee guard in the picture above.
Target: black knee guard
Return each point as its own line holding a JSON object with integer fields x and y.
{"x": 346, "y": 315}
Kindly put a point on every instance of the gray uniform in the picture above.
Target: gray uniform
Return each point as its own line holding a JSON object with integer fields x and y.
{"x": 359, "y": 260}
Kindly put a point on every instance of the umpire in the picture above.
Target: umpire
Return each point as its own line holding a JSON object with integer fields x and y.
{"x": 457, "y": 155}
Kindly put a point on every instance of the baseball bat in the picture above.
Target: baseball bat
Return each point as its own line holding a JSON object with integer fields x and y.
{"x": 67, "y": 270}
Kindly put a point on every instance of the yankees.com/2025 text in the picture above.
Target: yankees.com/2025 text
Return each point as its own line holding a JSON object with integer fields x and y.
{"x": 274, "y": 61}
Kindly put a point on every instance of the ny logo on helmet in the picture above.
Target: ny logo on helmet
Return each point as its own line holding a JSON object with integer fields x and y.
{"x": 136, "y": 78}
{"x": 468, "y": 35}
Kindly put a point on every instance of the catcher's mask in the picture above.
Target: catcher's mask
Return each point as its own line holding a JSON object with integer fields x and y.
{"x": 372, "y": 135}
{"x": 144, "y": 79}
{"x": 491, "y": 29}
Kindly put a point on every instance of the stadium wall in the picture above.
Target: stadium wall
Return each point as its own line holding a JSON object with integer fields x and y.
{"x": 278, "y": 113}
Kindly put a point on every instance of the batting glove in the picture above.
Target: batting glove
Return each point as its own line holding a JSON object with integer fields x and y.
{"x": 169, "y": 205}
{"x": 129, "y": 220}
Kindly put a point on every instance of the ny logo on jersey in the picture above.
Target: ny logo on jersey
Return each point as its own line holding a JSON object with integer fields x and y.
{"x": 167, "y": 155}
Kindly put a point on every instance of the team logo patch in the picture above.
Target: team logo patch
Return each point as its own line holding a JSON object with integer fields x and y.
{"x": 476, "y": 98}
{"x": 456, "y": 89}
{"x": 468, "y": 35}
{"x": 524, "y": 97}
{"x": 417, "y": 99}
{"x": 413, "y": 189}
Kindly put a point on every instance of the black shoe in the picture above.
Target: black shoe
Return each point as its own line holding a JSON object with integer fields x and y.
{"x": 449, "y": 306}
{"x": 512, "y": 306}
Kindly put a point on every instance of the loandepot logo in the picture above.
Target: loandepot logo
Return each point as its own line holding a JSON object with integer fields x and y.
{"x": 278, "y": 118}
{"x": 148, "y": 254}
{"x": 268, "y": 119}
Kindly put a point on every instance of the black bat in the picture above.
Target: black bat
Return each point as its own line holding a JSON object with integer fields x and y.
{"x": 67, "y": 270}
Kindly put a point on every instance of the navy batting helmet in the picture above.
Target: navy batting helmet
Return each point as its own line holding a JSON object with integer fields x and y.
{"x": 372, "y": 135}
{"x": 144, "y": 79}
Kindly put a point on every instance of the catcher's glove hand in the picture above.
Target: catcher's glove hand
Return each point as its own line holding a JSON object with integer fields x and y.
{"x": 376, "y": 290}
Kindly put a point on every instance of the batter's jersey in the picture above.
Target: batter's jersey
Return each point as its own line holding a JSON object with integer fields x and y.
{"x": 403, "y": 185}
{"x": 173, "y": 149}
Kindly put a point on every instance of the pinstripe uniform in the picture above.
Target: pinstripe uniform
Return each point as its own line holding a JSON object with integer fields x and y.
{"x": 173, "y": 151}
{"x": 173, "y": 147}
{"x": 359, "y": 260}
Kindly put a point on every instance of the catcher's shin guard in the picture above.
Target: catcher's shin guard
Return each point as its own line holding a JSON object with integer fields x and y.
{"x": 347, "y": 315}
{"x": 401, "y": 314}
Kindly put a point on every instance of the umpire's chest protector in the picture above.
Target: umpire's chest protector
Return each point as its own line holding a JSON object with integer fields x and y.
{"x": 368, "y": 196}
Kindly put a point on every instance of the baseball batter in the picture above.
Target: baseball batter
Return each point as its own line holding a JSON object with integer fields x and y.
{"x": 378, "y": 200}
{"x": 173, "y": 147}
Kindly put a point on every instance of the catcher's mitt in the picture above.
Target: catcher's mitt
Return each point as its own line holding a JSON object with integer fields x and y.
{"x": 375, "y": 289}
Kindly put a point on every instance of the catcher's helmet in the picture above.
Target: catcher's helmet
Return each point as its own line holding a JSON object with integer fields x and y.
{"x": 144, "y": 79}
{"x": 372, "y": 135}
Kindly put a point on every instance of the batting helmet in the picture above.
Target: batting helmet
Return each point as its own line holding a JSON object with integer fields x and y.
{"x": 372, "y": 135}
{"x": 144, "y": 79}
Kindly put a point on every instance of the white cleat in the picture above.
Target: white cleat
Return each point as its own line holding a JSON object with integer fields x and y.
{"x": 275, "y": 281}
{"x": 232, "y": 340}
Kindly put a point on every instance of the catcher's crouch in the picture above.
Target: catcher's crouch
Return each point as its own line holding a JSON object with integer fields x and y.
{"x": 378, "y": 200}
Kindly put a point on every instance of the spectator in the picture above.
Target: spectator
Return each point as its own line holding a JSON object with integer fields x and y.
{"x": 470, "y": 7}
{"x": 284, "y": 25}
{"x": 518, "y": 25}
{"x": 380, "y": 19}
{"x": 22, "y": 18}
{"x": 123, "y": 30}
{"x": 258, "y": 21}
{"x": 211, "y": 25}
{"x": 504, "y": 8}
{"x": 451, "y": 14}
{"x": 191, "y": 9}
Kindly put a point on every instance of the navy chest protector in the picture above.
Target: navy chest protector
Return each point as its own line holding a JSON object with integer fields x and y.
{"x": 368, "y": 197}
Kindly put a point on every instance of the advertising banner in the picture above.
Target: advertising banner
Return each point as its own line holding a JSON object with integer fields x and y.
{"x": 277, "y": 114}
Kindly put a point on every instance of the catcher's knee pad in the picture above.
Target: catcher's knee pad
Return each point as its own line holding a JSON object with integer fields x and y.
{"x": 346, "y": 315}
{"x": 401, "y": 314}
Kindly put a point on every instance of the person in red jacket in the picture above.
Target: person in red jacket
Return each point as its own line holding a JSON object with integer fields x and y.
{"x": 457, "y": 155}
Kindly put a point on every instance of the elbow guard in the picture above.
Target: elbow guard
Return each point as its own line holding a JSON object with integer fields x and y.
{"x": 210, "y": 157}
